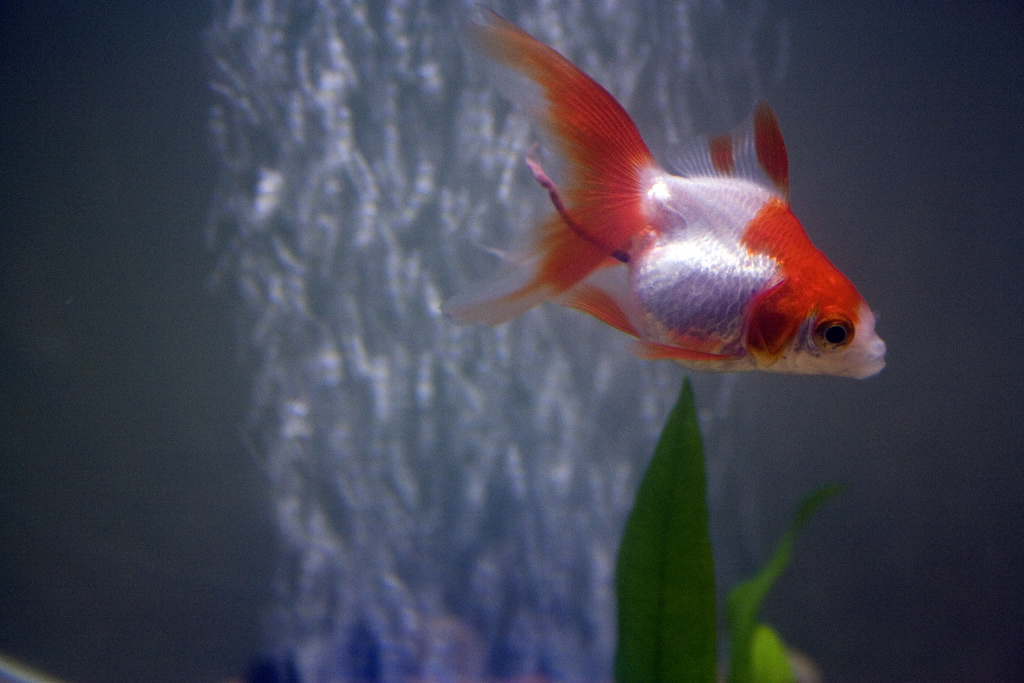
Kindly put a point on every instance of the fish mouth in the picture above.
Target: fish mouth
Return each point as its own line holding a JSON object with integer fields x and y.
{"x": 867, "y": 353}
{"x": 869, "y": 360}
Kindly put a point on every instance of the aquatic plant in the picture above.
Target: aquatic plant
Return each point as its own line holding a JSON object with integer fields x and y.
{"x": 665, "y": 584}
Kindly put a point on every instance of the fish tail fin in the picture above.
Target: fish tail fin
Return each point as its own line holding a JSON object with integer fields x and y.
{"x": 601, "y": 204}
{"x": 524, "y": 281}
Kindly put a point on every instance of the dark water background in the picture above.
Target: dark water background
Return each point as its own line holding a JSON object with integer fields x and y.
{"x": 135, "y": 541}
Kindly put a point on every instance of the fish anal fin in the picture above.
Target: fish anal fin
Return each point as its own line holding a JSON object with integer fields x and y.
{"x": 598, "y": 303}
{"x": 565, "y": 257}
{"x": 651, "y": 350}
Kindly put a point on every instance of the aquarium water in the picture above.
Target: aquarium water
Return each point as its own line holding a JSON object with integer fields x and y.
{"x": 448, "y": 499}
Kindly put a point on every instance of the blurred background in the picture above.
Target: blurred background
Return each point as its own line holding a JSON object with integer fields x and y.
{"x": 138, "y": 537}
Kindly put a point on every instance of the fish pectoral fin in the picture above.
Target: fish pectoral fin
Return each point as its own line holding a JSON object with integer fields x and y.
{"x": 773, "y": 321}
{"x": 650, "y": 350}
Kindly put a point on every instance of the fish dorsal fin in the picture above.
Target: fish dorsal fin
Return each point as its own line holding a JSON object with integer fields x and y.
{"x": 756, "y": 152}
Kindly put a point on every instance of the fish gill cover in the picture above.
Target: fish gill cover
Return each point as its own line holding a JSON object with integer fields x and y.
{"x": 449, "y": 499}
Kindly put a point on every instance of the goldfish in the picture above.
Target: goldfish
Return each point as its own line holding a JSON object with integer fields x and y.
{"x": 709, "y": 268}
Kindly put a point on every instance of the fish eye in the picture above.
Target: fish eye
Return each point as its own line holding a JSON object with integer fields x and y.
{"x": 833, "y": 333}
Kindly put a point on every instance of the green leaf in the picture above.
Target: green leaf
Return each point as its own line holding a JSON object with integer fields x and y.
{"x": 745, "y": 599}
{"x": 769, "y": 662}
{"x": 664, "y": 577}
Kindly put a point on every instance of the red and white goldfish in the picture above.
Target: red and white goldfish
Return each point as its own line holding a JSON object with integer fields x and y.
{"x": 710, "y": 269}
